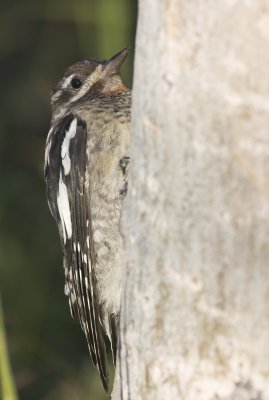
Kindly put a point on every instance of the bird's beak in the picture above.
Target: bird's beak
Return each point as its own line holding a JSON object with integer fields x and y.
{"x": 113, "y": 65}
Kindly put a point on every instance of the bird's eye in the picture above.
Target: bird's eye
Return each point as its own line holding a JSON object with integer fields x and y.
{"x": 76, "y": 83}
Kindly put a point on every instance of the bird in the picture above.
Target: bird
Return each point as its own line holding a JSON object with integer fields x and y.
{"x": 86, "y": 175}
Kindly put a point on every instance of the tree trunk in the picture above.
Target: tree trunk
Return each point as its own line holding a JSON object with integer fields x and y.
{"x": 195, "y": 314}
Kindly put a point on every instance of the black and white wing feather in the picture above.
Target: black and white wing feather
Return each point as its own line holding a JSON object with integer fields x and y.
{"x": 69, "y": 202}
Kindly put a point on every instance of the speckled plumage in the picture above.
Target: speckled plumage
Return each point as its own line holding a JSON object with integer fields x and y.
{"x": 86, "y": 162}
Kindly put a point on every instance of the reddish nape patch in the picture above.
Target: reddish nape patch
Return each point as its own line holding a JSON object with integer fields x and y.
{"x": 113, "y": 89}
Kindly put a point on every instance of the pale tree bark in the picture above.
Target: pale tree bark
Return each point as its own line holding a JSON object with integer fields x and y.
{"x": 195, "y": 317}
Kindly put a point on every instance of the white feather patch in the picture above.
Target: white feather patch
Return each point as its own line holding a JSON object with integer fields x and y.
{"x": 70, "y": 134}
{"x": 66, "y": 290}
{"x": 64, "y": 209}
{"x": 48, "y": 146}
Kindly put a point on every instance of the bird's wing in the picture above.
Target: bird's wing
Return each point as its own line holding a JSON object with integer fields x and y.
{"x": 69, "y": 202}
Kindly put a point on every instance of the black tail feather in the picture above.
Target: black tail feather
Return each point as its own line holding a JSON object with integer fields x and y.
{"x": 114, "y": 325}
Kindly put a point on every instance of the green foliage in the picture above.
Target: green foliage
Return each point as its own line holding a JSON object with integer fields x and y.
{"x": 38, "y": 40}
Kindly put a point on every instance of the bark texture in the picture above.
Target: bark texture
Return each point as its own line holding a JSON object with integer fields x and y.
{"x": 195, "y": 319}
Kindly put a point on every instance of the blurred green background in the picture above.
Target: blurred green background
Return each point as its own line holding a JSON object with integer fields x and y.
{"x": 38, "y": 40}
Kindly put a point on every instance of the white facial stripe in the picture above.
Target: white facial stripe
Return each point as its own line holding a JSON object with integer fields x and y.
{"x": 67, "y": 81}
{"x": 56, "y": 96}
{"x": 70, "y": 134}
{"x": 65, "y": 84}
{"x": 94, "y": 77}
{"x": 64, "y": 209}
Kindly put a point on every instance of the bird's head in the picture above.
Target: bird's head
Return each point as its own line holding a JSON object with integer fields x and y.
{"x": 89, "y": 78}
